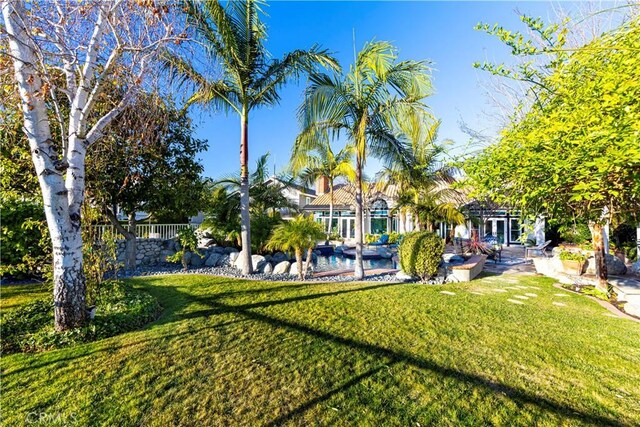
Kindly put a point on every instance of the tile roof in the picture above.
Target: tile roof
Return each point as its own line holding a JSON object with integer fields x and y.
{"x": 345, "y": 196}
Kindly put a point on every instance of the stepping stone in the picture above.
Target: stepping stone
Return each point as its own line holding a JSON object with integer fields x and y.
{"x": 499, "y": 290}
{"x": 559, "y": 304}
{"x": 447, "y": 293}
{"x": 520, "y": 297}
{"x": 561, "y": 295}
{"x": 515, "y": 301}
{"x": 529, "y": 294}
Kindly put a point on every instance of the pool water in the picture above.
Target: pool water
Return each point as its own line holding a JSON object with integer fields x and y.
{"x": 337, "y": 262}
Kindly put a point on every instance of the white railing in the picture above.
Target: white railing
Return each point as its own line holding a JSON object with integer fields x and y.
{"x": 146, "y": 231}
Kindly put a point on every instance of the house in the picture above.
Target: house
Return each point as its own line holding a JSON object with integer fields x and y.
{"x": 298, "y": 195}
{"x": 380, "y": 217}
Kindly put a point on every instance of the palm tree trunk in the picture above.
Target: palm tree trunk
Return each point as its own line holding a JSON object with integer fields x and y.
{"x": 599, "y": 255}
{"x": 309, "y": 260}
{"x": 359, "y": 268}
{"x": 330, "y": 209}
{"x": 299, "y": 263}
{"x": 245, "y": 218}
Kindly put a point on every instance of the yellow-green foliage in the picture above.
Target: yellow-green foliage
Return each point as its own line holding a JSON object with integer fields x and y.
{"x": 420, "y": 254}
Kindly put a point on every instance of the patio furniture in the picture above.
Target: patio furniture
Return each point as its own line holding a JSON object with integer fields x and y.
{"x": 540, "y": 248}
{"x": 382, "y": 241}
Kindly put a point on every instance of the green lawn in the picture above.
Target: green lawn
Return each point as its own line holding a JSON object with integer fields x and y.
{"x": 230, "y": 352}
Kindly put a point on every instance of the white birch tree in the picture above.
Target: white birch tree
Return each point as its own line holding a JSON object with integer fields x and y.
{"x": 62, "y": 52}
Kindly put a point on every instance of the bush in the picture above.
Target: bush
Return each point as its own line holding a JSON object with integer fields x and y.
{"x": 26, "y": 245}
{"x": 571, "y": 256}
{"x": 575, "y": 233}
{"x": 120, "y": 308}
{"x": 421, "y": 253}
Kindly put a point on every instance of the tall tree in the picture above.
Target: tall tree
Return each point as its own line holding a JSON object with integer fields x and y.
{"x": 147, "y": 162}
{"x": 233, "y": 36}
{"x": 426, "y": 186}
{"x": 322, "y": 162}
{"x": 576, "y": 153}
{"x": 362, "y": 105}
{"x": 62, "y": 53}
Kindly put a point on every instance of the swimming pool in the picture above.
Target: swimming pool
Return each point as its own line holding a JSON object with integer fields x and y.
{"x": 338, "y": 262}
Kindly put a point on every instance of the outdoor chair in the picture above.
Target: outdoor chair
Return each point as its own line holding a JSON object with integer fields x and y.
{"x": 540, "y": 248}
{"x": 382, "y": 241}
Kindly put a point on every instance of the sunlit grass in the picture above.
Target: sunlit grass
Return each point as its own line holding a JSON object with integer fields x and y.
{"x": 245, "y": 352}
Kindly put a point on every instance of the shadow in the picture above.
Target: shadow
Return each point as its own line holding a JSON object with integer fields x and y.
{"x": 326, "y": 396}
{"x": 520, "y": 396}
{"x": 220, "y": 308}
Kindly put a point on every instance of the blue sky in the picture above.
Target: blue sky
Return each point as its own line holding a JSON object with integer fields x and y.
{"x": 441, "y": 32}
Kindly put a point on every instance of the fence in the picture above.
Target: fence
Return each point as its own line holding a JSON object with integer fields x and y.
{"x": 147, "y": 231}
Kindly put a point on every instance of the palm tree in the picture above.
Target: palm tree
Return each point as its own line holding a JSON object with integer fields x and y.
{"x": 233, "y": 37}
{"x": 362, "y": 105}
{"x": 321, "y": 162}
{"x": 425, "y": 187}
{"x": 297, "y": 235}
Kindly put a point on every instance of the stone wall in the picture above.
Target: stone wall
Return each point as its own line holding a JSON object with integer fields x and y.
{"x": 149, "y": 251}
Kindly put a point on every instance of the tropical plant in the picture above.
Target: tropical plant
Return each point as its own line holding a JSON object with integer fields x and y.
{"x": 421, "y": 253}
{"x": 297, "y": 235}
{"x": 565, "y": 255}
{"x": 233, "y": 37}
{"x": 322, "y": 162}
{"x": 267, "y": 199}
{"x": 188, "y": 244}
{"x": 362, "y": 105}
{"x": 425, "y": 187}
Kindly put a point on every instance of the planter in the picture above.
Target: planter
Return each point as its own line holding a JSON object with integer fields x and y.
{"x": 573, "y": 268}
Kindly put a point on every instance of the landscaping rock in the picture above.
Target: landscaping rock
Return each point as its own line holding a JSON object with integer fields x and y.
{"x": 615, "y": 267}
{"x": 212, "y": 260}
{"x": 258, "y": 262}
{"x": 635, "y": 267}
{"x": 279, "y": 257}
{"x": 230, "y": 250}
{"x": 187, "y": 257}
{"x": 217, "y": 249}
{"x": 340, "y": 249}
{"x": 401, "y": 275}
{"x": 293, "y": 270}
{"x": 223, "y": 261}
{"x": 205, "y": 242}
{"x": 233, "y": 256}
{"x": 268, "y": 269}
{"x": 196, "y": 260}
{"x": 282, "y": 267}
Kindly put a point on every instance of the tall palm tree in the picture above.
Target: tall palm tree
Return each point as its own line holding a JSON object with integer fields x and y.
{"x": 233, "y": 37}
{"x": 362, "y": 105}
{"x": 425, "y": 188}
{"x": 322, "y": 162}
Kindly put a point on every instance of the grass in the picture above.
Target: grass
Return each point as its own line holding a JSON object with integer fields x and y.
{"x": 245, "y": 352}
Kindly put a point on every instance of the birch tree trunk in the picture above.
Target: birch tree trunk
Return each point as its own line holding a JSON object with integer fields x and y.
{"x": 245, "y": 217}
{"x": 63, "y": 219}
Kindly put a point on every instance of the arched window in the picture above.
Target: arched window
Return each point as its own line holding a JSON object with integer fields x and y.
{"x": 379, "y": 207}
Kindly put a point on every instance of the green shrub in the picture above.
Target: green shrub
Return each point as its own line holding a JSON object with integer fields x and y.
{"x": 575, "y": 233}
{"x": 371, "y": 238}
{"x": 572, "y": 256}
{"x": 26, "y": 245}
{"x": 420, "y": 254}
{"x": 120, "y": 308}
{"x": 188, "y": 243}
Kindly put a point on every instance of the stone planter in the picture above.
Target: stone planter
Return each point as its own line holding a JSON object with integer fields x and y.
{"x": 573, "y": 268}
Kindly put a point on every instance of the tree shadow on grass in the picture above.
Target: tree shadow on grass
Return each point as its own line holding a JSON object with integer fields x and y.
{"x": 522, "y": 397}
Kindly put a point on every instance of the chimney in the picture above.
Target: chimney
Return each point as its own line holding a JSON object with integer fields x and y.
{"x": 322, "y": 185}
